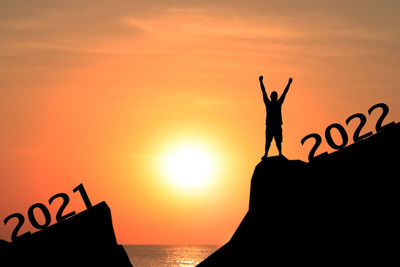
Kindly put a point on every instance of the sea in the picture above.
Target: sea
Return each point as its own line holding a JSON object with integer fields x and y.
{"x": 167, "y": 256}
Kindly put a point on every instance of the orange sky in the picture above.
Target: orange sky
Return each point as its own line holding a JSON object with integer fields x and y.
{"x": 96, "y": 92}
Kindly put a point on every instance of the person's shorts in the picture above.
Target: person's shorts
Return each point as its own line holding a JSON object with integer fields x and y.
{"x": 273, "y": 132}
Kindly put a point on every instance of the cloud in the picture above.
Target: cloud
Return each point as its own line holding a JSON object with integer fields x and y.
{"x": 303, "y": 30}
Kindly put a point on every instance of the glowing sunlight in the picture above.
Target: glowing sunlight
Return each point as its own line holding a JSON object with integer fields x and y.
{"x": 188, "y": 166}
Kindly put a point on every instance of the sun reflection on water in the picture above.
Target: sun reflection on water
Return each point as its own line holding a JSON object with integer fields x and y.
{"x": 167, "y": 256}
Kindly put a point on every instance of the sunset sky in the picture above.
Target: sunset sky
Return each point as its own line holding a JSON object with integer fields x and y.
{"x": 103, "y": 92}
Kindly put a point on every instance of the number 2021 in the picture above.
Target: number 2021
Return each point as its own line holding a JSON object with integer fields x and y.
{"x": 46, "y": 213}
{"x": 342, "y": 131}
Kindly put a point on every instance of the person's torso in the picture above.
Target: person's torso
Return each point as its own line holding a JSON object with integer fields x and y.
{"x": 274, "y": 113}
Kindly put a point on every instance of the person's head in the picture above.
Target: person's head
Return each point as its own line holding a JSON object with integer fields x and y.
{"x": 274, "y": 96}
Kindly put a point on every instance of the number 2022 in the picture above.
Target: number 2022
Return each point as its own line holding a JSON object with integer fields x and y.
{"x": 46, "y": 213}
{"x": 343, "y": 133}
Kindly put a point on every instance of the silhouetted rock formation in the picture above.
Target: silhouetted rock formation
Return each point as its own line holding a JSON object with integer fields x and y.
{"x": 338, "y": 209}
{"x": 86, "y": 239}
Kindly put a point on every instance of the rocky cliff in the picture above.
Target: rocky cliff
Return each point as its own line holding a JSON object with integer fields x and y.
{"x": 86, "y": 239}
{"x": 340, "y": 208}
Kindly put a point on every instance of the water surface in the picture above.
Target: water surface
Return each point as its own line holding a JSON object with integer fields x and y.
{"x": 167, "y": 256}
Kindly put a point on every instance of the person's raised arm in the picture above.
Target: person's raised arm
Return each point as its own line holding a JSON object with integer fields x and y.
{"x": 282, "y": 98}
{"x": 265, "y": 96}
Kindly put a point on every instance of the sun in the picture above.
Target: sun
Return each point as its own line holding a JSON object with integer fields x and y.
{"x": 189, "y": 165}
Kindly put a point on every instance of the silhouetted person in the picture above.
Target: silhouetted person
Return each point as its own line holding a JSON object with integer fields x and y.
{"x": 274, "y": 117}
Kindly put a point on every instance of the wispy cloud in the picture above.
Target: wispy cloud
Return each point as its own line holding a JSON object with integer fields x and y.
{"x": 175, "y": 28}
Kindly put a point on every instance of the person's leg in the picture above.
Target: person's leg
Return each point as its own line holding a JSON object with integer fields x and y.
{"x": 278, "y": 140}
{"x": 267, "y": 145}
{"x": 279, "y": 146}
{"x": 268, "y": 140}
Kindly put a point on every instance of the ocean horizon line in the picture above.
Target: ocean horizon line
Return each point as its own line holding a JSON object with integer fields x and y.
{"x": 176, "y": 245}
